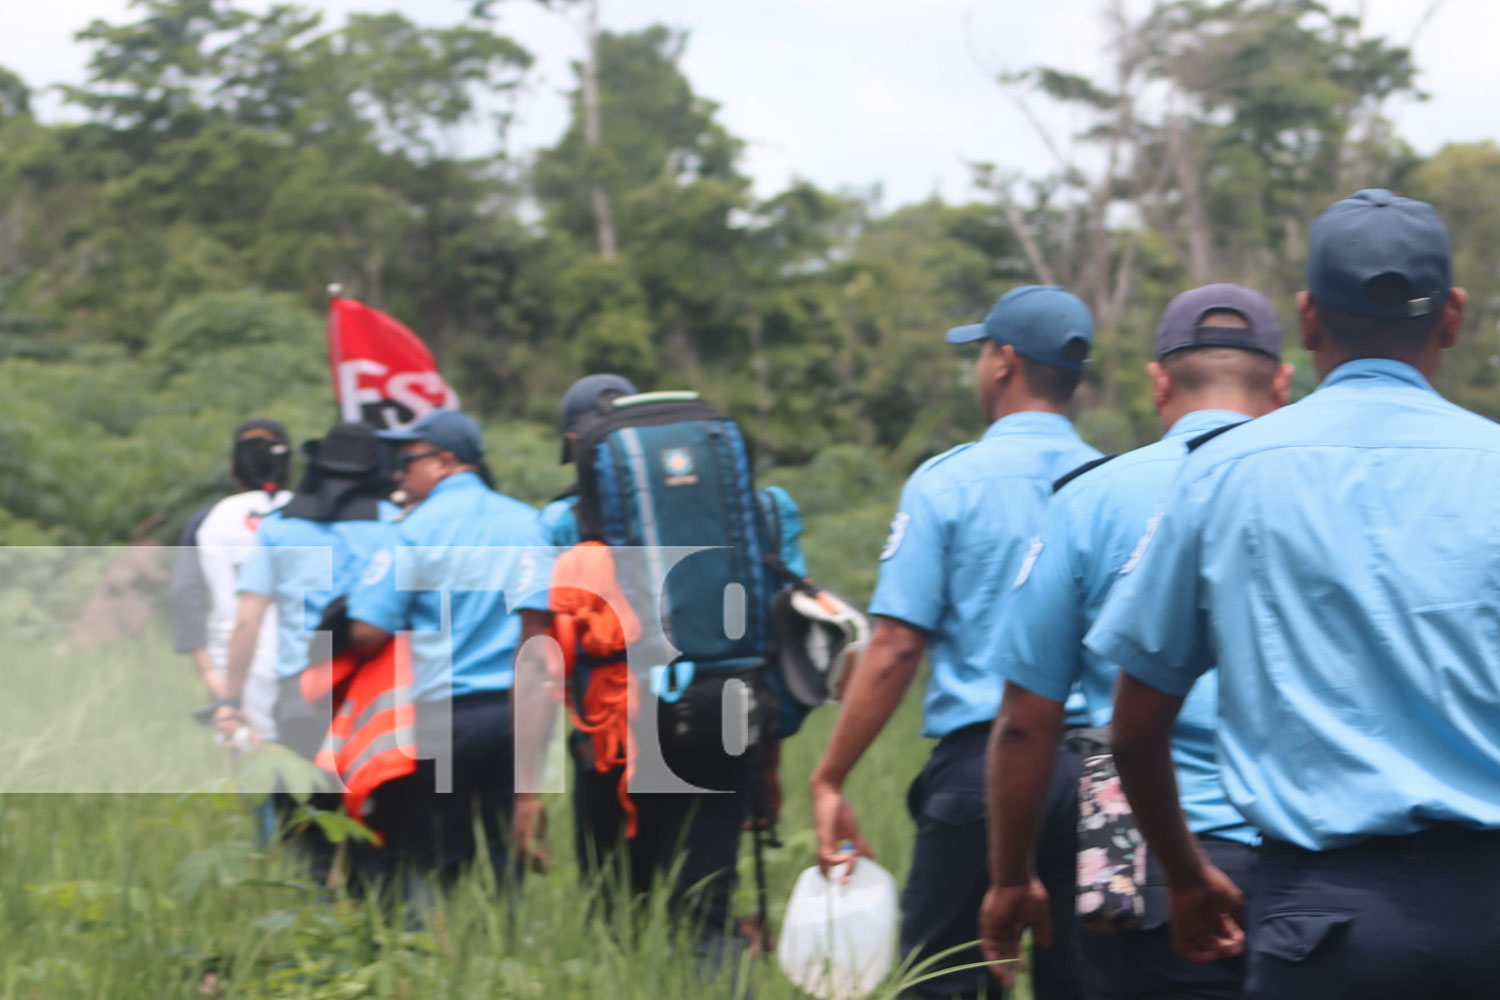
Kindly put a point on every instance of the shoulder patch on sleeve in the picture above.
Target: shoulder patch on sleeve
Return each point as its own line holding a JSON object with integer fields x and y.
{"x": 1143, "y": 543}
{"x": 379, "y": 565}
{"x": 1085, "y": 467}
{"x": 897, "y": 532}
{"x": 1029, "y": 563}
{"x": 1203, "y": 439}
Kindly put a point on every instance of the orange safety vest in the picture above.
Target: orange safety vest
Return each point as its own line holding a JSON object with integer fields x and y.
{"x": 372, "y": 738}
{"x": 590, "y": 613}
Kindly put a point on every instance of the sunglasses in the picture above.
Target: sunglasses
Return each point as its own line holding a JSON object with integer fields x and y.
{"x": 403, "y": 460}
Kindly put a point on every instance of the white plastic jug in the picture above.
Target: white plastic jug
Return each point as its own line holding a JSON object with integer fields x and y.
{"x": 838, "y": 939}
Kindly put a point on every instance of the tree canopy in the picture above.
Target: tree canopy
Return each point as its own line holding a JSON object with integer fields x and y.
{"x": 164, "y": 252}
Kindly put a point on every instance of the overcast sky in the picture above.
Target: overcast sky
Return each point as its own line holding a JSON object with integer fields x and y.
{"x": 856, "y": 92}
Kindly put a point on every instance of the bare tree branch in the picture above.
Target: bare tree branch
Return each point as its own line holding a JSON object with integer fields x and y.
{"x": 1200, "y": 236}
{"x": 1421, "y": 25}
{"x": 1024, "y": 236}
{"x": 1125, "y": 271}
{"x": 604, "y": 222}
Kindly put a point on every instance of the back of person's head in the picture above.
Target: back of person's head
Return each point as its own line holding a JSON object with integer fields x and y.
{"x": 260, "y": 456}
{"x": 346, "y": 476}
{"x": 1380, "y": 283}
{"x": 1198, "y": 370}
{"x": 1050, "y": 332}
{"x": 1050, "y": 383}
{"x": 1219, "y": 347}
{"x": 583, "y": 398}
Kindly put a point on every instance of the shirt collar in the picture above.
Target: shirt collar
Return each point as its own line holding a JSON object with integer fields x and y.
{"x": 455, "y": 482}
{"x": 1202, "y": 421}
{"x": 1385, "y": 370}
{"x": 1031, "y": 422}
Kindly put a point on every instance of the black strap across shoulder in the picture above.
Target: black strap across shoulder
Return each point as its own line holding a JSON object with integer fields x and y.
{"x": 1203, "y": 439}
{"x": 1085, "y": 467}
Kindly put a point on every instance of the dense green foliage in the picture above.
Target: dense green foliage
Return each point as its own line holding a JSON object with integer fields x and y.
{"x": 163, "y": 251}
{"x": 164, "y": 248}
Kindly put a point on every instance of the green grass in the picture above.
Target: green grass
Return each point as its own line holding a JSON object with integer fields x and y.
{"x": 146, "y": 895}
{"x": 143, "y": 895}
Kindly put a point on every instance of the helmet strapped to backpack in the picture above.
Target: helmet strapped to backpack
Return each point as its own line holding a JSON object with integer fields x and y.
{"x": 818, "y": 637}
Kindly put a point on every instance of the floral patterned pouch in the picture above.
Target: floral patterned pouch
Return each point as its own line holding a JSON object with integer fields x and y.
{"x": 1111, "y": 855}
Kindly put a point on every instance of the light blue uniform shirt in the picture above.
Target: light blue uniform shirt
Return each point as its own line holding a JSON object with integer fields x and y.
{"x": 1340, "y": 558}
{"x": 444, "y": 573}
{"x": 966, "y": 521}
{"x": 558, "y": 523}
{"x": 1092, "y": 531}
{"x": 302, "y": 565}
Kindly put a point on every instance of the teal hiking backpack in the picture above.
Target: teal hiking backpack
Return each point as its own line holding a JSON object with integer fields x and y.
{"x": 665, "y": 470}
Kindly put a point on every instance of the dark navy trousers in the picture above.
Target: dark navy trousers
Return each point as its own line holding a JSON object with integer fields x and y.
{"x": 431, "y": 835}
{"x": 1143, "y": 964}
{"x": 949, "y": 873}
{"x": 1392, "y": 918}
{"x": 696, "y": 834}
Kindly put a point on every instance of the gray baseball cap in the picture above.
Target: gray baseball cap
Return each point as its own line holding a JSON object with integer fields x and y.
{"x": 1182, "y": 323}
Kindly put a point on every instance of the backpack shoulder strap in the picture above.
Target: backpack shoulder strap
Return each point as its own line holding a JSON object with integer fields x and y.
{"x": 1085, "y": 467}
{"x": 770, "y": 519}
{"x": 1203, "y": 439}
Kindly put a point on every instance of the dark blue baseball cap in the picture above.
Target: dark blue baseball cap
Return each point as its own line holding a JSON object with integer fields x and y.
{"x": 1380, "y": 255}
{"x": 1182, "y": 323}
{"x": 1042, "y": 322}
{"x": 583, "y": 396}
{"x": 449, "y": 430}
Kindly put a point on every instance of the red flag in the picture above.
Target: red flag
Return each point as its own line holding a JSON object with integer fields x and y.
{"x": 382, "y": 372}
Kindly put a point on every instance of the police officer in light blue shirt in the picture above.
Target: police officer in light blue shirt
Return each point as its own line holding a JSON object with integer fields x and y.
{"x": 963, "y": 529}
{"x": 464, "y": 571}
{"x": 1340, "y": 561}
{"x": 309, "y": 552}
{"x": 1218, "y": 352}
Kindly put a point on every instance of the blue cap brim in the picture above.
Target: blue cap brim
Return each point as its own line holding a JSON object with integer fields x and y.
{"x": 401, "y": 434}
{"x": 965, "y": 334}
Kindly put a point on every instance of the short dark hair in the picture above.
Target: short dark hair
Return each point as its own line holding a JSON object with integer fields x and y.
{"x": 1194, "y": 369}
{"x": 1056, "y": 385}
{"x": 1369, "y": 337}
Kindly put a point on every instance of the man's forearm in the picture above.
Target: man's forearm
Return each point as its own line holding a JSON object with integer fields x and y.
{"x": 203, "y": 666}
{"x": 248, "y": 615}
{"x": 1018, "y": 772}
{"x": 880, "y": 681}
{"x": 1142, "y": 728}
{"x": 534, "y": 702}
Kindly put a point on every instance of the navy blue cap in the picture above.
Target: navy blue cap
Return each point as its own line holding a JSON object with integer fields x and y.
{"x": 1182, "y": 323}
{"x": 1042, "y": 322}
{"x": 1380, "y": 255}
{"x": 449, "y": 430}
{"x": 583, "y": 396}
